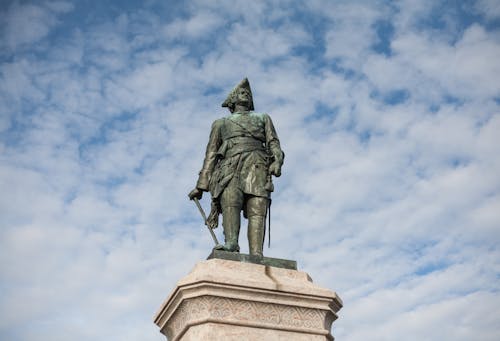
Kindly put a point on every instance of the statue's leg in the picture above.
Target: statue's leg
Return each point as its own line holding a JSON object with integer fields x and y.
{"x": 256, "y": 212}
{"x": 231, "y": 203}
{"x": 231, "y": 224}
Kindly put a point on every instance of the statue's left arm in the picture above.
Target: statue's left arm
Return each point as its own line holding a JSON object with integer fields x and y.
{"x": 274, "y": 147}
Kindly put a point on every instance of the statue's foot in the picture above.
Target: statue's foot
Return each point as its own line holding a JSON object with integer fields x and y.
{"x": 229, "y": 247}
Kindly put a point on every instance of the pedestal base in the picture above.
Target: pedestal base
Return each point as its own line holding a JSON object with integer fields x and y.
{"x": 230, "y": 300}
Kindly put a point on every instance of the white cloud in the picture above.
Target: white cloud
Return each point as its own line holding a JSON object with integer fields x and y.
{"x": 27, "y": 24}
{"x": 489, "y": 8}
{"x": 201, "y": 24}
{"x": 104, "y": 134}
{"x": 463, "y": 70}
{"x": 351, "y": 34}
{"x": 16, "y": 84}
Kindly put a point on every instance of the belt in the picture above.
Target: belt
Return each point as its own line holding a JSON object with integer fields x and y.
{"x": 244, "y": 146}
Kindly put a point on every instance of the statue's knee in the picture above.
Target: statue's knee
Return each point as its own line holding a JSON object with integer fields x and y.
{"x": 256, "y": 206}
{"x": 232, "y": 197}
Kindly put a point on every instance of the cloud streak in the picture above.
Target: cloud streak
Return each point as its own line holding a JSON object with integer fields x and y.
{"x": 388, "y": 114}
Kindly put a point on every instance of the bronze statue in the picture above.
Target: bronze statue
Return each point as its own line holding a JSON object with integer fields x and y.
{"x": 243, "y": 152}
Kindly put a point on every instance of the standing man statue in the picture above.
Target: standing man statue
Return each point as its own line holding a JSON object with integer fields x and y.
{"x": 243, "y": 152}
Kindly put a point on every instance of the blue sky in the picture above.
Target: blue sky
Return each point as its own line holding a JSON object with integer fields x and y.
{"x": 388, "y": 113}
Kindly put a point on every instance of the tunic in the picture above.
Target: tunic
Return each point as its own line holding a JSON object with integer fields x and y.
{"x": 240, "y": 148}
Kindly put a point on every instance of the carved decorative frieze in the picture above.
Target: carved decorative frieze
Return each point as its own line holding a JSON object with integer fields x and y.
{"x": 250, "y": 313}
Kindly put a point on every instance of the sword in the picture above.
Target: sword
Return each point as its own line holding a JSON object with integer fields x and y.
{"x": 205, "y": 221}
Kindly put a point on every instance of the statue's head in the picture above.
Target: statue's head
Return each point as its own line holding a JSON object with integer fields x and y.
{"x": 240, "y": 95}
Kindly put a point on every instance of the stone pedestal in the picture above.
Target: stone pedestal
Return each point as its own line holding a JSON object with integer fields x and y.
{"x": 225, "y": 299}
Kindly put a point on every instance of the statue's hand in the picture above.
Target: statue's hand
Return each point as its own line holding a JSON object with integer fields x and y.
{"x": 195, "y": 193}
{"x": 275, "y": 169}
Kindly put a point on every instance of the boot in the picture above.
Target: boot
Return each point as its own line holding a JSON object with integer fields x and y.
{"x": 256, "y": 235}
{"x": 231, "y": 224}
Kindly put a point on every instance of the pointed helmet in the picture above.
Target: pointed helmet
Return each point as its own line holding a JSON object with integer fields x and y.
{"x": 231, "y": 98}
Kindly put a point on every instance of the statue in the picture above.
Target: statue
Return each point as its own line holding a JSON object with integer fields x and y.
{"x": 242, "y": 154}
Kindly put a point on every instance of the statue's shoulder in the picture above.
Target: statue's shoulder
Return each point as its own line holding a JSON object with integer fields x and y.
{"x": 218, "y": 122}
{"x": 260, "y": 115}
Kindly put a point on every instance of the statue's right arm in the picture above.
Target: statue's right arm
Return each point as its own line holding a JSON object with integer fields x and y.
{"x": 210, "y": 160}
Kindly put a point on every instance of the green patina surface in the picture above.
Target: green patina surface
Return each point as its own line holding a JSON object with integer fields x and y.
{"x": 243, "y": 154}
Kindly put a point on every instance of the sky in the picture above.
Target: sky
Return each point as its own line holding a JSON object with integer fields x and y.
{"x": 388, "y": 113}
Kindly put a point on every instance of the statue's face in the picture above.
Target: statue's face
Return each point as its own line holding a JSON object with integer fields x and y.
{"x": 243, "y": 96}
